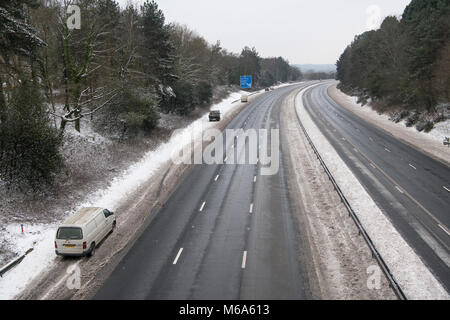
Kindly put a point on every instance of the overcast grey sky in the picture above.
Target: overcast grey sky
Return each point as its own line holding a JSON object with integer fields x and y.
{"x": 303, "y": 31}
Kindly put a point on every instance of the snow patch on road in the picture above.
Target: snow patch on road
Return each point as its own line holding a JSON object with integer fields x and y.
{"x": 412, "y": 275}
{"x": 40, "y": 237}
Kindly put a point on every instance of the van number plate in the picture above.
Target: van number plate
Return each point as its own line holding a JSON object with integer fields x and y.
{"x": 69, "y": 245}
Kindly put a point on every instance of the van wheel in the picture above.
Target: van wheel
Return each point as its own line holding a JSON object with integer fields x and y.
{"x": 113, "y": 225}
{"x": 92, "y": 250}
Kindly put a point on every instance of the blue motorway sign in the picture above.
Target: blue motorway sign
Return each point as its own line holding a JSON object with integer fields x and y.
{"x": 246, "y": 82}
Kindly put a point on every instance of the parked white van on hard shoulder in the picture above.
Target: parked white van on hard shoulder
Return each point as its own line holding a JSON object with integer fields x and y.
{"x": 79, "y": 234}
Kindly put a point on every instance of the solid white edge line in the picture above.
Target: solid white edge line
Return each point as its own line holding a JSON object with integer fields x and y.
{"x": 203, "y": 205}
{"x": 178, "y": 256}
{"x": 244, "y": 259}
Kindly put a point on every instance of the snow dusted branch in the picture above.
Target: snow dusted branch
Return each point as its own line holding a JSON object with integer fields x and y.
{"x": 68, "y": 116}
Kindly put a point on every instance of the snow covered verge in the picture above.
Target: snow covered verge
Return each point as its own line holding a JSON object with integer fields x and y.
{"x": 430, "y": 143}
{"x": 410, "y": 272}
{"x": 336, "y": 259}
{"x": 40, "y": 236}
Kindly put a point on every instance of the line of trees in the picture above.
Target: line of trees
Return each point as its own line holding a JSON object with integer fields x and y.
{"x": 405, "y": 63}
{"x": 120, "y": 70}
{"x": 312, "y": 75}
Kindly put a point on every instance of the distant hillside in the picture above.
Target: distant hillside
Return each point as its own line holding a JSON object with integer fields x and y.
{"x": 316, "y": 67}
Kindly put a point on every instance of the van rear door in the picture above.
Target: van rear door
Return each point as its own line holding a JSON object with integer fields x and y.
{"x": 69, "y": 239}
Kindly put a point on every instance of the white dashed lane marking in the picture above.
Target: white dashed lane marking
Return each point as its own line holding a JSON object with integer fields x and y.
{"x": 178, "y": 256}
{"x": 445, "y": 229}
{"x": 400, "y": 190}
{"x": 244, "y": 259}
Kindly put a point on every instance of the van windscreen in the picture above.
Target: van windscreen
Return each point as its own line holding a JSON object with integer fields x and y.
{"x": 69, "y": 233}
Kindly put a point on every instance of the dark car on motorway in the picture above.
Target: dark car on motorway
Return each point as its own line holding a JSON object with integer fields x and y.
{"x": 214, "y": 115}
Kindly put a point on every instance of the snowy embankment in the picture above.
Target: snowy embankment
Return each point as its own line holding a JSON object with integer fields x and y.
{"x": 410, "y": 272}
{"x": 430, "y": 143}
{"x": 438, "y": 133}
{"x": 40, "y": 237}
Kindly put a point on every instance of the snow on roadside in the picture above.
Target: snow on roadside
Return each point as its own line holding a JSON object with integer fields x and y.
{"x": 428, "y": 143}
{"x": 413, "y": 276}
{"x": 438, "y": 133}
{"x": 41, "y": 236}
{"x": 132, "y": 178}
{"x": 87, "y": 133}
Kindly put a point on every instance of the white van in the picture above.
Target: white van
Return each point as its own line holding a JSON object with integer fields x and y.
{"x": 79, "y": 234}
